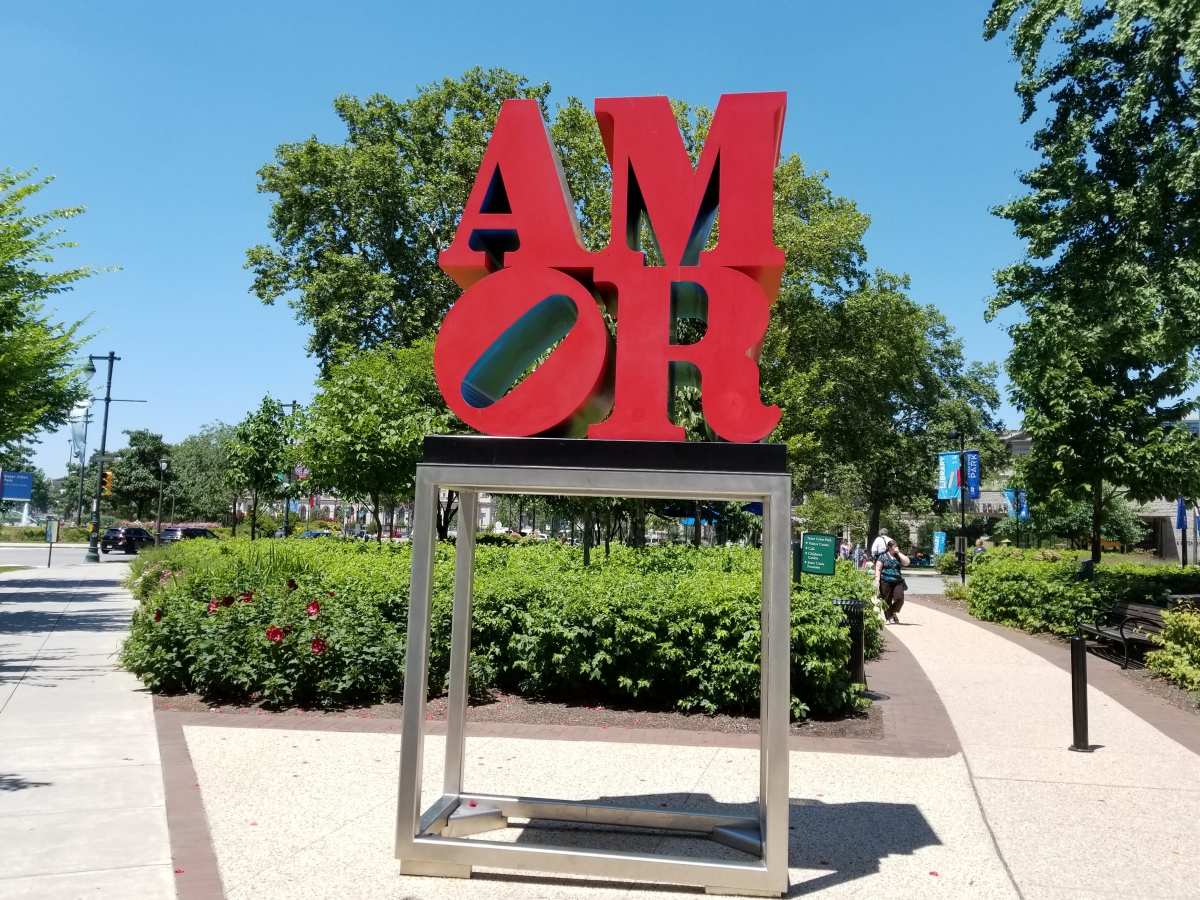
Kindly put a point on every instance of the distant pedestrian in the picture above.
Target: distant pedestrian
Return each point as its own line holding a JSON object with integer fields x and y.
{"x": 879, "y": 545}
{"x": 979, "y": 548}
{"x": 844, "y": 549}
{"x": 890, "y": 578}
{"x": 859, "y": 556}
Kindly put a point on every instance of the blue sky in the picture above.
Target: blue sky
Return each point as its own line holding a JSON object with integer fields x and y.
{"x": 156, "y": 117}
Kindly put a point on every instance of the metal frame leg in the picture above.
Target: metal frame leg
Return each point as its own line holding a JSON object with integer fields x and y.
{"x": 432, "y": 843}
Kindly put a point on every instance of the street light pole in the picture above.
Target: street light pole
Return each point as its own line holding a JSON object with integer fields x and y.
{"x": 93, "y": 552}
{"x": 287, "y": 499}
{"x": 162, "y": 474}
{"x": 962, "y": 499}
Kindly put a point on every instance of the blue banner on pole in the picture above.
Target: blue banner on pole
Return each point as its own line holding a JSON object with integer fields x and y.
{"x": 1022, "y": 506}
{"x": 973, "y": 473}
{"x": 939, "y": 543}
{"x": 1010, "y": 502}
{"x": 16, "y": 486}
{"x": 949, "y": 476}
{"x": 1180, "y": 513}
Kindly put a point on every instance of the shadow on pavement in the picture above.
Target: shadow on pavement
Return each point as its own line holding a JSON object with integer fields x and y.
{"x": 95, "y": 585}
{"x": 34, "y": 621}
{"x": 17, "y": 783}
{"x": 848, "y": 840}
{"x": 46, "y": 668}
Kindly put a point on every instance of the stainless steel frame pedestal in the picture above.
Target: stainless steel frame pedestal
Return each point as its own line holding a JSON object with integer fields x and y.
{"x": 434, "y": 842}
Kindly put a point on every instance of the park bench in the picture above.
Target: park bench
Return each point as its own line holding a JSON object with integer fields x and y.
{"x": 1132, "y": 624}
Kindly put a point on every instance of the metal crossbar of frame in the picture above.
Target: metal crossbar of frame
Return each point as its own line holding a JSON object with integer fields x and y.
{"x": 435, "y": 842}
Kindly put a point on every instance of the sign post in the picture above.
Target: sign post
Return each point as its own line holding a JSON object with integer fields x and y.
{"x": 52, "y": 528}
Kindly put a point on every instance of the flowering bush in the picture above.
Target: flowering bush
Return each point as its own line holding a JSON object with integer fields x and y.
{"x": 326, "y": 623}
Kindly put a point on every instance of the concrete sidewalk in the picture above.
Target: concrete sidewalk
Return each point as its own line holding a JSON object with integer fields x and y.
{"x": 1123, "y": 821}
{"x": 81, "y": 792}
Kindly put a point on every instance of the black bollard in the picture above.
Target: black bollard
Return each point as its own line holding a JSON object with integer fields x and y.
{"x": 1079, "y": 712}
{"x": 854, "y": 611}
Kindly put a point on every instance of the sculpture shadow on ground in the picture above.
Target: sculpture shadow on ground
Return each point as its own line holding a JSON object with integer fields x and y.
{"x": 842, "y": 841}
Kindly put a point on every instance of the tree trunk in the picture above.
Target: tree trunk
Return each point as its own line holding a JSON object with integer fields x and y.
{"x": 1097, "y": 515}
{"x": 445, "y": 514}
{"x": 872, "y": 525}
{"x": 637, "y": 524}
{"x": 235, "y": 500}
{"x": 376, "y": 511}
{"x": 587, "y": 532}
{"x": 696, "y": 524}
{"x": 254, "y": 518}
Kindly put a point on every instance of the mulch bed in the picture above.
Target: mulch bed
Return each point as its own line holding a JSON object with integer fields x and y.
{"x": 514, "y": 709}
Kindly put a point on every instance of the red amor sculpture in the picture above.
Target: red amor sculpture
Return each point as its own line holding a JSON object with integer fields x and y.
{"x": 531, "y": 286}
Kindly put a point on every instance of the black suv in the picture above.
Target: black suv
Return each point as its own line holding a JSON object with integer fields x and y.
{"x": 129, "y": 540}
{"x": 182, "y": 533}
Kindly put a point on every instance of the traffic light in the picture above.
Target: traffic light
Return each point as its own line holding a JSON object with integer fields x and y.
{"x": 106, "y": 483}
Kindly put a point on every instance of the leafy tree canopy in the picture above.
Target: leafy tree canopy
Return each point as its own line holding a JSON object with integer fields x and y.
{"x": 198, "y": 464}
{"x": 1104, "y": 360}
{"x": 136, "y": 473}
{"x": 358, "y": 225}
{"x": 259, "y": 450}
{"x": 39, "y": 377}
{"x": 363, "y": 434}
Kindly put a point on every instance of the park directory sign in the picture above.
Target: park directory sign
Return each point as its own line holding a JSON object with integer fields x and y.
{"x": 818, "y": 553}
{"x": 532, "y": 288}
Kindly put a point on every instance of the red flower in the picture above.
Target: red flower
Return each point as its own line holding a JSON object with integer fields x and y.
{"x": 245, "y": 596}
{"x": 318, "y": 647}
{"x": 274, "y": 634}
{"x": 158, "y": 614}
{"x": 313, "y": 609}
{"x": 212, "y": 607}
{"x": 330, "y": 593}
{"x": 292, "y": 584}
{"x": 227, "y": 601}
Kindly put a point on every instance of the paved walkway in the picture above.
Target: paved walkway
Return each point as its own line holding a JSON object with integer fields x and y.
{"x": 81, "y": 789}
{"x": 1123, "y": 821}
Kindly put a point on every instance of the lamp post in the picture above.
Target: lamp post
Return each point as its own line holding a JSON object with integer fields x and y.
{"x": 962, "y": 499}
{"x": 93, "y": 553}
{"x": 287, "y": 499}
{"x": 162, "y": 474}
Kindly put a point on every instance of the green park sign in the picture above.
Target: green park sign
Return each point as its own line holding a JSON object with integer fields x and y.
{"x": 817, "y": 553}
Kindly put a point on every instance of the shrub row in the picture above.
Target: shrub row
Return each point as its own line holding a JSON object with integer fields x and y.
{"x": 324, "y": 622}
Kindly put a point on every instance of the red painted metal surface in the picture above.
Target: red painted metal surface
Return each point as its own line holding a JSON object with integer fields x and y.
{"x": 531, "y": 287}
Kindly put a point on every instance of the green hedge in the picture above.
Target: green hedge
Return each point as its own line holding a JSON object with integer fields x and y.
{"x": 668, "y": 626}
{"x": 1041, "y": 590}
{"x": 32, "y": 535}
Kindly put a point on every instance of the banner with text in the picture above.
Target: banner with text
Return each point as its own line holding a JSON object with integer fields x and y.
{"x": 949, "y": 476}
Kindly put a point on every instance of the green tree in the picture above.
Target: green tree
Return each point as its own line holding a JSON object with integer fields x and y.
{"x": 872, "y": 384}
{"x": 259, "y": 449}
{"x": 39, "y": 376}
{"x": 358, "y": 225}
{"x": 363, "y": 434}
{"x": 1104, "y": 360}
{"x": 198, "y": 465}
{"x": 136, "y": 474}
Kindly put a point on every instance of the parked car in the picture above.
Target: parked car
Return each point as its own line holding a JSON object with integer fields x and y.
{"x": 314, "y": 534}
{"x": 127, "y": 540}
{"x": 180, "y": 533}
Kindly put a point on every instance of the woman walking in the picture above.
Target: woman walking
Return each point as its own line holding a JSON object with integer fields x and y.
{"x": 890, "y": 580}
